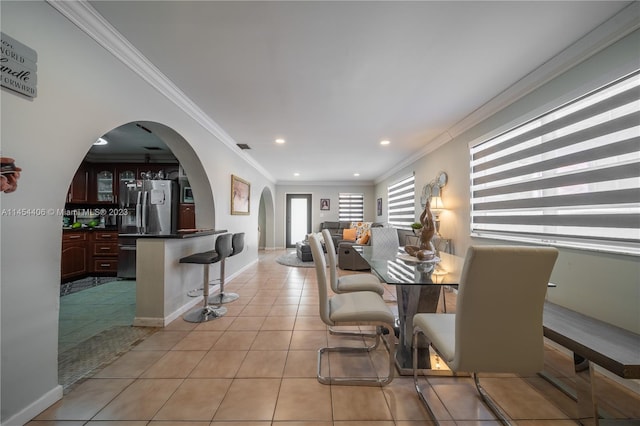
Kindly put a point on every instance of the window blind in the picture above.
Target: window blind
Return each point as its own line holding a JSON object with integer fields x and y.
{"x": 351, "y": 207}
{"x": 401, "y": 203}
{"x": 570, "y": 177}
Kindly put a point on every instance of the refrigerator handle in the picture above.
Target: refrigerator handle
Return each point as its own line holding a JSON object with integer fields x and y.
{"x": 145, "y": 208}
{"x": 139, "y": 211}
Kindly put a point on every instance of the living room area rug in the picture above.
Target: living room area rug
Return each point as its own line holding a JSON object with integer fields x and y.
{"x": 291, "y": 259}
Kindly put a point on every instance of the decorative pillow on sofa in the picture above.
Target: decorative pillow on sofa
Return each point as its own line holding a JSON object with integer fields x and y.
{"x": 318, "y": 235}
{"x": 349, "y": 234}
{"x": 361, "y": 228}
{"x": 364, "y": 239}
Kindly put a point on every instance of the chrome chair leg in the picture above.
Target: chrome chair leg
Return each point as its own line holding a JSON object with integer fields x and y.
{"x": 358, "y": 381}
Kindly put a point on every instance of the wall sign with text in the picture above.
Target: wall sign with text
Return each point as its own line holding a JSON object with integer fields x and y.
{"x": 18, "y": 64}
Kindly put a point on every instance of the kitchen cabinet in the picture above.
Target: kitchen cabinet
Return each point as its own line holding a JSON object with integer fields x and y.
{"x": 79, "y": 188}
{"x": 104, "y": 251}
{"x": 187, "y": 216}
{"x": 74, "y": 255}
{"x": 103, "y": 184}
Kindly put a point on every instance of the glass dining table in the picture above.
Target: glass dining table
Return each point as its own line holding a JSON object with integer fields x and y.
{"x": 418, "y": 289}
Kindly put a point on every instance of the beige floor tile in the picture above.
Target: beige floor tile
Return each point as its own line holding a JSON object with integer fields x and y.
{"x": 62, "y": 423}
{"x": 198, "y": 341}
{"x": 272, "y": 341}
{"x": 174, "y": 364}
{"x": 235, "y": 340}
{"x": 283, "y": 310}
{"x": 519, "y": 400}
{"x": 309, "y": 323}
{"x": 249, "y": 399}
{"x": 368, "y": 423}
{"x": 131, "y": 364}
{"x": 308, "y": 310}
{"x": 460, "y": 397}
{"x": 195, "y": 399}
{"x": 307, "y": 339}
{"x": 302, "y": 364}
{"x": 273, "y": 323}
{"x": 263, "y": 363}
{"x": 255, "y": 311}
{"x": 162, "y": 340}
{"x": 359, "y": 403}
{"x": 403, "y": 400}
{"x": 246, "y": 323}
{"x": 219, "y": 324}
{"x": 140, "y": 401}
{"x": 219, "y": 364}
{"x": 85, "y": 400}
{"x": 303, "y": 399}
{"x": 124, "y": 423}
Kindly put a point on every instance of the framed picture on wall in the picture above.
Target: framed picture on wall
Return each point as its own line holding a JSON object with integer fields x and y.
{"x": 325, "y": 204}
{"x": 379, "y": 206}
{"x": 240, "y": 195}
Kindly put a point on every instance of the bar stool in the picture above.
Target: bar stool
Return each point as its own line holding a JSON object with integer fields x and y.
{"x": 222, "y": 251}
{"x": 237, "y": 242}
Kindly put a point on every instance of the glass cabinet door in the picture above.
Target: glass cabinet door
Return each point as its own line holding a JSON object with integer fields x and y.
{"x": 104, "y": 187}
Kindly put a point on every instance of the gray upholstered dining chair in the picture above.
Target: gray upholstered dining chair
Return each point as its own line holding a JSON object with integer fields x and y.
{"x": 348, "y": 283}
{"x": 497, "y": 327}
{"x": 359, "y": 308}
{"x": 352, "y": 282}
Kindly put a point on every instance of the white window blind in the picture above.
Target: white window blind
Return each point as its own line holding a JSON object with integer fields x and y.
{"x": 401, "y": 203}
{"x": 351, "y": 207}
{"x": 570, "y": 177}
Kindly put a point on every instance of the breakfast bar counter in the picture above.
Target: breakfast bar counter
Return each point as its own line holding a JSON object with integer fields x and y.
{"x": 162, "y": 282}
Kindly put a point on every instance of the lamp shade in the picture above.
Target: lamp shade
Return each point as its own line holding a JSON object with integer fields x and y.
{"x": 436, "y": 203}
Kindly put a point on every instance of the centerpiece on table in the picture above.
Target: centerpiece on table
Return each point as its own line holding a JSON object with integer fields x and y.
{"x": 426, "y": 229}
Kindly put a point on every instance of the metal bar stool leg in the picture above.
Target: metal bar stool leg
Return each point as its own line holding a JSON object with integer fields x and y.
{"x": 222, "y": 296}
{"x": 206, "y": 312}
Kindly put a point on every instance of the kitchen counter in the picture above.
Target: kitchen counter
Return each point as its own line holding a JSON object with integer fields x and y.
{"x": 88, "y": 229}
{"x": 178, "y": 235}
{"x": 162, "y": 282}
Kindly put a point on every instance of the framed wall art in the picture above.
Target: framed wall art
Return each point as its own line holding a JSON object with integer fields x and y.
{"x": 240, "y": 195}
{"x": 325, "y": 204}
{"x": 379, "y": 206}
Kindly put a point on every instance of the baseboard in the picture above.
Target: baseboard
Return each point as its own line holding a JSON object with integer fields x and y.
{"x": 37, "y": 407}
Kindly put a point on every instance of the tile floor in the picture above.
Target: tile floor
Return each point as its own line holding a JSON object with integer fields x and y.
{"x": 256, "y": 367}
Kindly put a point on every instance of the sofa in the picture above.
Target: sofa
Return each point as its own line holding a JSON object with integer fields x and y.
{"x": 347, "y": 258}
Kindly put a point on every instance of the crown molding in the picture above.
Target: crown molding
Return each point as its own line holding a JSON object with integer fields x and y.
{"x": 620, "y": 25}
{"x": 87, "y": 19}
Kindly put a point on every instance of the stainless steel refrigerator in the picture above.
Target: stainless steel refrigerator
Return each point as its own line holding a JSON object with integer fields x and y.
{"x": 147, "y": 207}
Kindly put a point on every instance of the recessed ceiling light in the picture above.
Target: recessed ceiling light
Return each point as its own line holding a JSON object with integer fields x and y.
{"x": 101, "y": 141}
{"x": 296, "y": 174}
{"x": 385, "y": 142}
{"x": 356, "y": 174}
{"x": 280, "y": 141}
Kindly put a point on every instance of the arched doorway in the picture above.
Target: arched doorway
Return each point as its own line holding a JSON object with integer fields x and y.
{"x": 95, "y": 321}
{"x": 266, "y": 220}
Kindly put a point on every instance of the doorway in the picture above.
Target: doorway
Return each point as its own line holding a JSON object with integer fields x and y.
{"x": 298, "y": 218}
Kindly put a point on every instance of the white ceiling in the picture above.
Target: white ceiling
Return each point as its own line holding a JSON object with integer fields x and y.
{"x": 335, "y": 78}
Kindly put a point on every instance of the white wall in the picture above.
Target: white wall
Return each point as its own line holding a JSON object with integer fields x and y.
{"x": 83, "y": 92}
{"x": 318, "y": 216}
{"x": 602, "y": 285}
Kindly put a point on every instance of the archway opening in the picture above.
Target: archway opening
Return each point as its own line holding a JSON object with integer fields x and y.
{"x": 98, "y": 297}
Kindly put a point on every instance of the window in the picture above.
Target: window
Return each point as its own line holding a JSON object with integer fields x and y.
{"x": 351, "y": 207}
{"x": 401, "y": 203}
{"x": 570, "y": 177}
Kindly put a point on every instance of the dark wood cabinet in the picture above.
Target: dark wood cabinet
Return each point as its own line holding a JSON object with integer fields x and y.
{"x": 104, "y": 251}
{"x": 74, "y": 255}
{"x": 187, "y": 216}
{"x": 103, "y": 184}
{"x": 79, "y": 188}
